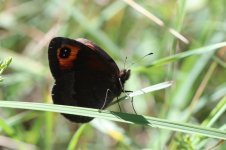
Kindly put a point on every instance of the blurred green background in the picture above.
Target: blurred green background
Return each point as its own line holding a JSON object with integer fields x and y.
{"x": 27, "y": 26}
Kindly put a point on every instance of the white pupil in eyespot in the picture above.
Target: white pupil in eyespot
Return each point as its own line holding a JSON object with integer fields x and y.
{"x": 65, "y": 52}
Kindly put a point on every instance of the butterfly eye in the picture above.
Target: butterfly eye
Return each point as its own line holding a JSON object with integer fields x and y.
{"x": 64, "y": 52}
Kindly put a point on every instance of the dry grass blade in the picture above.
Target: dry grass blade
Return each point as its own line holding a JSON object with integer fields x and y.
{"x": 155, "y": 20}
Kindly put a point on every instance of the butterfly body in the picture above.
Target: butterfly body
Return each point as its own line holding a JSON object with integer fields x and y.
{"x": 85, "y": 75}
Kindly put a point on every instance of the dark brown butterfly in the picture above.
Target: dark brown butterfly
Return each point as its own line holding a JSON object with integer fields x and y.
{"x": 85, "y": 75}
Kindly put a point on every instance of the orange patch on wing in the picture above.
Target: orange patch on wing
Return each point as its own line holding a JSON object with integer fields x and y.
{"x": 67, "y": 63}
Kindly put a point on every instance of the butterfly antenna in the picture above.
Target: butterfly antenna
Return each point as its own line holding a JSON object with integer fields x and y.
{"x": 125, "y": 63}
{"x": 140, "y": 59}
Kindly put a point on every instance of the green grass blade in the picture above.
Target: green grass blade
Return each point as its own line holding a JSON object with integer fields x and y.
{"x": 188, "y": 53}
{"x": 76, "y": 136}
{"x": 215, "y": 114}
{"x": 120, "y": 117}
{"x": 6, "y": 128}
{"x": 4, "y": 65}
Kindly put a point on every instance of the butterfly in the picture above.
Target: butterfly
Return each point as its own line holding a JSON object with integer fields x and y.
{"x": 85, "y": 75}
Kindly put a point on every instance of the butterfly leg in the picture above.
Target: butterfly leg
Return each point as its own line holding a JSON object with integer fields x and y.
{"x": 119, "y": 105}
{"x": 105, "y": 100}
{"x": 127, "y": 91}
{"x": 133, "y": 105}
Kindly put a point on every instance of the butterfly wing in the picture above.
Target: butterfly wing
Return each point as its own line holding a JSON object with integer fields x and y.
{"x": 83, "y": 73}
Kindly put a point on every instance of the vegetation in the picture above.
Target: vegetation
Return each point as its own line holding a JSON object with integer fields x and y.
{"x": 188, "y": 42}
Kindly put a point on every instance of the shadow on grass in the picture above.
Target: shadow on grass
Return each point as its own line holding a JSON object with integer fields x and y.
{"x": 136, "y": 119}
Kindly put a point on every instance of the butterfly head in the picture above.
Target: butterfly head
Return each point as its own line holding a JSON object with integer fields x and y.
{"x": 124, "y": 75}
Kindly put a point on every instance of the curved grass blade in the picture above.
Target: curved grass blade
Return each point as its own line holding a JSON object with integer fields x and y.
{"x": 120, "y": 117}
{"x": 188, "y": 53}
{"x": 73, "y": 143}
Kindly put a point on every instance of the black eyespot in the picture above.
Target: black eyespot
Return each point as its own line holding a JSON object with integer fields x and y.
{"x": 65, "y": 52}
